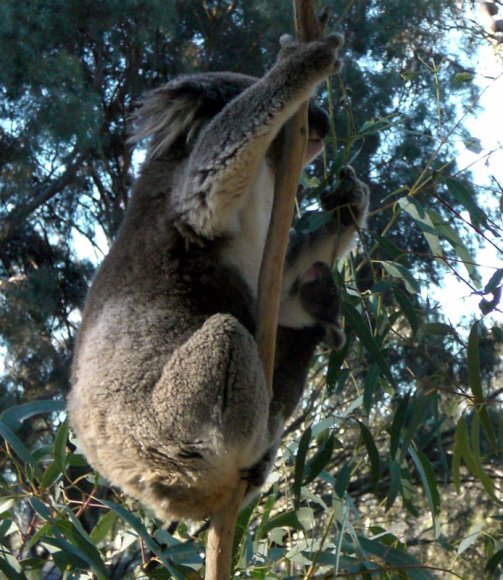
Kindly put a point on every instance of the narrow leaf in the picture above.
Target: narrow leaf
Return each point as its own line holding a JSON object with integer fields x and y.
{"x": 394, "y": 485}
{"x": 300, "y": 461}
{"x": 370, "y": 385}
{"x": 103, "y": 527}
{"x": 14, "y": 416}
{"x": 375, "y": 463}
{"x": 494, "y": 282}
{"x": 423, "y": 219}
{"x": 427, "y": 476}
{"x": 401, "y": 272}
{"x": 60, "y": 446}
{"x": 320, "y": 459}
{"x": 396, "y": 558}
{"x": 397, "y": 424}
{"x": 475, "y": 384}
{"x": 407, "y": 309}
{"x": 19, "y": 448}
{"x": 361, "y": 329}
{"x": 343, "y": 477}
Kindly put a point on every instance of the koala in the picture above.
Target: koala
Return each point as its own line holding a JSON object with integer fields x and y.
{"x": 168, "y": 397}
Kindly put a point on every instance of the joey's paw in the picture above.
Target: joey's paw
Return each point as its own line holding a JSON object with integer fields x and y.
{"x": 321, "y": 55}
{"x": 320, "y": 297}
{"x": 350, "y": 195}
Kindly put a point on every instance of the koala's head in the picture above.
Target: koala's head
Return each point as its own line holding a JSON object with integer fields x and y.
{"x": 173, "y": 115}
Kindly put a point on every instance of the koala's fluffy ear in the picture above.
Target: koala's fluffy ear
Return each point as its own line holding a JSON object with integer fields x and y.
{"x": 166, "y": 115}
{"x": 176, "y": 112}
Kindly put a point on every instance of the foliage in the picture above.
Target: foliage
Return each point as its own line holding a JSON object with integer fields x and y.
{"x": 392, "y": 466}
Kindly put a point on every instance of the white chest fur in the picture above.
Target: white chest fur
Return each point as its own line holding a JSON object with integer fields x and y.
{"x": 246, "y": 247}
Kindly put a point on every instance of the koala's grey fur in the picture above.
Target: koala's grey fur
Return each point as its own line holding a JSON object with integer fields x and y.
{"x": 169, "y": 400}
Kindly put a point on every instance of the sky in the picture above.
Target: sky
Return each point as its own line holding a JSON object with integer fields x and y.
{"x": 455, "y": 297}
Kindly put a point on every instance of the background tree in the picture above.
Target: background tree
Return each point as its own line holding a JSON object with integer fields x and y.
{"x": 392, "y": 461}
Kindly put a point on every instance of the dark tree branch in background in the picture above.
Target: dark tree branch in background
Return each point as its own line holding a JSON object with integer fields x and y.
{"x": 17, "y": 217}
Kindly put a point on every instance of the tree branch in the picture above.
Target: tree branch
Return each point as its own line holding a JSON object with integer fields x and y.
{"x": 16, "y": 218}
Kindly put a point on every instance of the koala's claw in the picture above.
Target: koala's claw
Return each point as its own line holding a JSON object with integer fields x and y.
{"x": 321, "y": 54}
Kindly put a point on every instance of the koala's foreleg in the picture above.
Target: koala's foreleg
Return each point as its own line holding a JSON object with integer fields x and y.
{"x": 232, "y": 148}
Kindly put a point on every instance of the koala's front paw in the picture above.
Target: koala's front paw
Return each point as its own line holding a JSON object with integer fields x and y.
{"x": 350, "y": 195}
{"x": 321, "y": 56}
{"x": 320, "y": 297}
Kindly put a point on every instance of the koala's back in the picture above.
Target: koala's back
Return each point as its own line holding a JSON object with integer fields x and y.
{"x": 151, "y": 295}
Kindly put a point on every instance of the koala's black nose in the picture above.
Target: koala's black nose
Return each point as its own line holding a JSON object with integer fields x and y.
{"x": 318, "y": 121}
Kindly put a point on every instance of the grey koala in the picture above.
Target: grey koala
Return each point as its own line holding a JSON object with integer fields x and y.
{"x": 169, "y": 400}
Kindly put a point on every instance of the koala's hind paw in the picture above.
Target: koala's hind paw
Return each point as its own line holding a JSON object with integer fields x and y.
{"x": 257, "y": 473}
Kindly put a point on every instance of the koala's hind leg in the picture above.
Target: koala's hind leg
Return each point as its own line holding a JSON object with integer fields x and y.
{"x": 211, "y": 407}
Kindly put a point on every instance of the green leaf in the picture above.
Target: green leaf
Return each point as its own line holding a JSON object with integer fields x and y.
{"x": 103, "y": 527}
{"x": 300, "y": 461}
{"x": 41, "y": 508}
{"x": 140, "y": 529}
{"x": 475, "y": 384}
{"x": 465, "y": 195}
{"x": 459, "y": 246}
{"x": 392, "y": 249}
{"x": 343, "y": 477}
{"x": 320, "y": 459}
{"x": 60, "y": 446}
{"x": 474, "y": 145}
{"x": 396, "y": 426}
{"x": 240, "y": 533}
{"x": 19, "y": 449}
{"x": 419, "y": 411}
{"x": 86, "y": 550}
{"x": 336, "y": 375}
{"x": 456, "y": 464}
{"x": 370, "y": 385}
{"x": 401, "y": 272}
{"x": 494, "y": 561}
{"x": 423, "y": 219}
{"x": 284, "y": 520}
{"x": 375, "y": 463}
{"x": 74, "y": 556}
{"x": 440, "y": 329}
{"x": 494, "y": 282}
{"x": 428, "y": 479}
{"x": 396, "y": 558}
{"x": 407, "y": 309}
{"x": 261, "y": 528}
{"x": 471, "y": 460}
{"x": 463, "y": 77}
{"x": 15, "y": 416}
{"x": 470, "y": 539}
{"x": 10, "y": 566}
{"x": 361, "y": 329}
{"x": 394, "y": 485}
